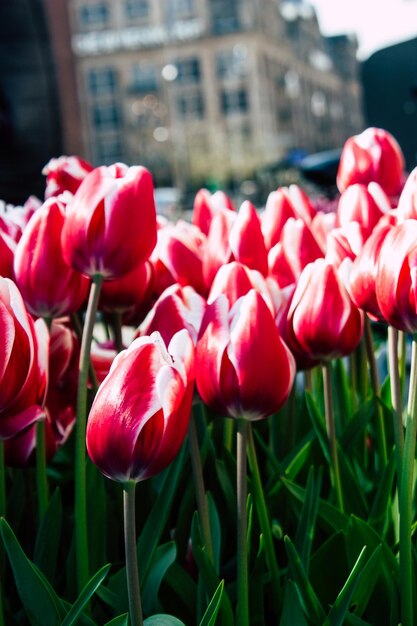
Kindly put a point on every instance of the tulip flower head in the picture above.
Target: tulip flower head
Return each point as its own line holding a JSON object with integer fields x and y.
{"x": 65, "y": 173}
{"x": 23, "y": 363}
{"x": 322, "y": 317}
{"x": 372, "y": 156}
{"x": 243, "y": 368}
{"x": 110, "y": 225}
{"x": 141, "y": 412}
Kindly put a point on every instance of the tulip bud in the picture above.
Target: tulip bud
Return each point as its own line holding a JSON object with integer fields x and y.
{"x": 110, "y": 225}
{"x": 239, "y": 353}
{"x": 365, "y": 205}
{"x": 50, "y": 288}
{"x": 141, "y": 412}
{"x": 23, "y": 367}
{"x": 65, "y": 173}
{"x": 322, "y": 317}
{"x": 372, "y": 156}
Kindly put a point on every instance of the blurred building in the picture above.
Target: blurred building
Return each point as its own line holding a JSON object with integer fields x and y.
{"x": 390, "y": 76}
{"x": 206, "y": 91}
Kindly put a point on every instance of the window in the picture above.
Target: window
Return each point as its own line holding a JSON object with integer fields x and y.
{"x": 235, "y": 101}
{"x": 94, "y": 14}
{"x": 106, "y": 116}
{"x": 189, "y": 70}
{"x": 224, "y": 16}
{"x": 102, "y": 81}
{"x": 232, "y": 63}
{"x": 191, "y": 105}
{"x": 109, "y": 150}
{"x": 182, "y": 8}
{"x": 144, "y": 78}
{"x": 137, "y": 9}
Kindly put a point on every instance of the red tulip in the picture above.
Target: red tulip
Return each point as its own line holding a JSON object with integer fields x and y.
{"x": 396, "y": 285}
{"x": 363, "y": 204}
{"x": 50, "y": 288}
{"x": 243, "y": 367}
{"x": 346, "y": 242}
{"x": 217, "y": 250}
{"x": 235, "y": 280}
{"x": 322, "y": 317}
{"x": 127, "y": 294}
{"x": 177, "y": 308}
{"x": 102, "y": 356}
{"x": 363, "y": 272}
{"x": 180, "y": 249}
{"x": 206, "y": 206}
{"x": 65, "y": 173}
{"x": 23, "y": 363}
{"x": 407, "y": 204}
{"x": 372, "y": 156}
{"x": 246, "y": 239}
{"x": 110, "y": 225}
{"x": 60, "y": 401}
{"x": 278, "y": 210}
{"x": 141, "y": 412}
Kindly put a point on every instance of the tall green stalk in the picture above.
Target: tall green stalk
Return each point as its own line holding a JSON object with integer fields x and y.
{"x": 132, "y": 572}
{"x": 41, "y": 477}
{"x": 200, "y": 491}
{"x": 81, "y": 538}
{"x": 264, "y": 520}
{"x": 396, "y": 398}
{"x": 242, "y": 609}
{"x": 406, "y": 497}
{"x": 331, "y": 432}
{"x": 373, "y": 371}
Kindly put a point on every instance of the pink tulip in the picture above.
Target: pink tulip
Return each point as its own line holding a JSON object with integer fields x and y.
{"x": 322, "y": 317}
{"x": 141, "y": 412}
{"x": 372, "y": 156}
{"x": 235, "y": 280}
{"x": 65, "y": 173}
{"x": 176, "y": 308}
{"x": 49, "y": 287}
{"x": 206, "y": 206}
{"x": 110, "y": 225}
{"x": 395, "y": 284}
{"x": 243, "y": 368}
{"x": 246, "y": 239}
{"x": 363, "y": 204}
{"x": 407, "y": 203}
{"x": 278, "y": 210}
{"x": 23, "y": 366}
{"x": 129, "y": 293}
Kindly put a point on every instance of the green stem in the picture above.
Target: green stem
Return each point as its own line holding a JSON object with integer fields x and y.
{"x": 373, "y": 371}
{"x": 81, "y": 538}
{"x": 117, "y": 330}
{"x": 228, "y": 428}
{"x": 2, "y": 482}
{"x": 406, "y": 497}
{"x": 200, "y": 491}
{"x": 242, "y": 609}
{"x": 264, "y": 520}
{"x": 402, "y": 357}
{"x": 132, "y": 572}
{"x": 331, "y": 433}
{"x": 396, "y": 398}
{"x": 41, "y": 477}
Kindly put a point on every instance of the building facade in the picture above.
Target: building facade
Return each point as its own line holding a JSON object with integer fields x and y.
{"x": 205, "y": 91}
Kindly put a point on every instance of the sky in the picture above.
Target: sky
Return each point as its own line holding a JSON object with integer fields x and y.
{"x": 377, "y": 23}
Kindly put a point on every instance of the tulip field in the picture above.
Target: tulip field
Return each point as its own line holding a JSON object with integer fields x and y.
{"x": 210, "y": 423}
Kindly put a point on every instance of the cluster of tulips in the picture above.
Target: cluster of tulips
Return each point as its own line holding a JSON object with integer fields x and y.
{"x": 125, "y": 325}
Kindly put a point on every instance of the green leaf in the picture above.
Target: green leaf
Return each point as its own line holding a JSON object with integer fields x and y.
{"x": 162, "y": 620}
{"x": 305, "y": 531}
{"x": 357, "y": 424}
{"x": 208, "y": 573}
{"x": 121, "y": 620}
{"x": 292, "y": 612}
{"x": 215, "y": 528}
{"x": 327, "y": 512}
{"x": 311, "y": 604}
{"x": 97, "y": 506}
{"x": 380, "y": 511}
{"x": 48, "y": 537}
{"x": 41, "y": 604}
{"x": 319, "y": 426}
{"x": 368, "y": 580}
{"x": 183, "y": 586}
{"x": 209, "y": 617}
{"x": 85, "y": 595}
{"x": 157, "y": 519}
{"x": 342, "y": 603}
{"x": 164, "y": 557}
